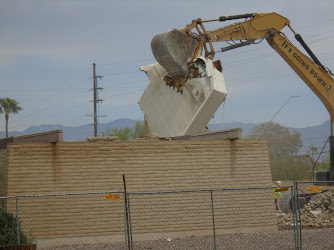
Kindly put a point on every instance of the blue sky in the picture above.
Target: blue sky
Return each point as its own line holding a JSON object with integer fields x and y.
{"x": 47, "y": 49}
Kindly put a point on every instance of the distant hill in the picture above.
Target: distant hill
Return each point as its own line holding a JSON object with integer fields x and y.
{"x": 78, "y": 133}
{"x": 311, "y": 136}
{"x": 316, "y": 136}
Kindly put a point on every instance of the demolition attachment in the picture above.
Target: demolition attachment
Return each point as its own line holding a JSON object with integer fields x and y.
{"x": 173, "y": 51}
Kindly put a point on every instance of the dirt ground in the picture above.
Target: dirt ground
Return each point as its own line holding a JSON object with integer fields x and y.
{"x": 318, "y": 239}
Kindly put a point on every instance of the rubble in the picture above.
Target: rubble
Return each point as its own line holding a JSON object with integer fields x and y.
{"x": 319, "y": 212}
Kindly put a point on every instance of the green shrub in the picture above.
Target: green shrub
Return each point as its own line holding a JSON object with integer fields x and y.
{"x": 8, "y": 230}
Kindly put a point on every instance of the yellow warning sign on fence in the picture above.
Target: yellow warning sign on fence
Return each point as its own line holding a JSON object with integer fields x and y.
{"x": 313, "y": 190}
{"x": 113, "y": 197}
{"x": 283, "y": 189}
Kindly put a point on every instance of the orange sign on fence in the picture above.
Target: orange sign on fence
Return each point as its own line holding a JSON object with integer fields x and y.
{"x": 313, "y": 190}
{"x": 113, "y": 197}
{"x": 283, "y": 189}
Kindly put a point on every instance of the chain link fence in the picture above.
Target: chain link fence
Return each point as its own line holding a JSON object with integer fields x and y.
{"x": 234, "y": 218}
{"x": 157, "y": 219}
{"x": 58, "y": 221}
{"x": 315, "y": 214}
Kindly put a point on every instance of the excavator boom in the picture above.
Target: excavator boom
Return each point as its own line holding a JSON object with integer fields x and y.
{"x": 176, "y": 49}
{"x": 315, "y": 76}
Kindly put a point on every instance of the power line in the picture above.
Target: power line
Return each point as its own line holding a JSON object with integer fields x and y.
{"x": 120, "y": 62}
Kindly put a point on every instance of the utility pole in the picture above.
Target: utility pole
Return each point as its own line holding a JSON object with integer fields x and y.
{"x": 96, "y": 100}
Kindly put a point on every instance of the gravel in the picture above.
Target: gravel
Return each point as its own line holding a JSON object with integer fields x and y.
{"x": 318, "y": 239}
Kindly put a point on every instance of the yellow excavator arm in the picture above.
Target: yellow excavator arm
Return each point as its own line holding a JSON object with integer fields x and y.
{"x": 177, "y": 50}
{"x": 254, "y": 28}
{"x": 315, "y": 76}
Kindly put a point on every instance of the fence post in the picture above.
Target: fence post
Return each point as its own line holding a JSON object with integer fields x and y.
{"x": 125, "y": 227}
{"x": 17, "y": 221}
{"x": 294, "y": 215}
{"x": 299, "y": 222}
{"x": 126, "y": 213}
{"x": 130, "y": 224}
{"x": 213, "y": 222}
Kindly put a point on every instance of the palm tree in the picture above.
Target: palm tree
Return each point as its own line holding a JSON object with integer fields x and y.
{"x": 9, "y": 106}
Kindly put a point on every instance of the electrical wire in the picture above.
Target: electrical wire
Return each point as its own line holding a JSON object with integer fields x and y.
{"x": 127, "y": 62}
{"x": 319, "y": 157}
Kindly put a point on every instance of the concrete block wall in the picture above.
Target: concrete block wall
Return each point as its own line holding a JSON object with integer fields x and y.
{"x": 149, "y": 166}
{"x": 3, "y": 173}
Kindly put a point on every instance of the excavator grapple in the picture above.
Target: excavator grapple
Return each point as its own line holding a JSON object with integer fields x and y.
{"x": 173, "y": 50}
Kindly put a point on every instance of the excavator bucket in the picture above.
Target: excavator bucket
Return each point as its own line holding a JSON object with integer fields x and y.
{"x": 173, "y": 50}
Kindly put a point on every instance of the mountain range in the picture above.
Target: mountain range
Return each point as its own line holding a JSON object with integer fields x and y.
{"x": 311, "y": 136}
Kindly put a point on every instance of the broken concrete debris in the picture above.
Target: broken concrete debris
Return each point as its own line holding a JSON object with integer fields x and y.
{"x": 319, "y": 212}
{"x": 186, "y": 110}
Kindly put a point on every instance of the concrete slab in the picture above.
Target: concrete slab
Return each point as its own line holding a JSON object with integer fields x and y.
{"x": 226, "y": 134}
{"x": 171, "y": 114}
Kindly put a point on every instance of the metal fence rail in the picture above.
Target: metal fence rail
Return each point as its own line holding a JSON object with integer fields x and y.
{"x": 230, "y": 218}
